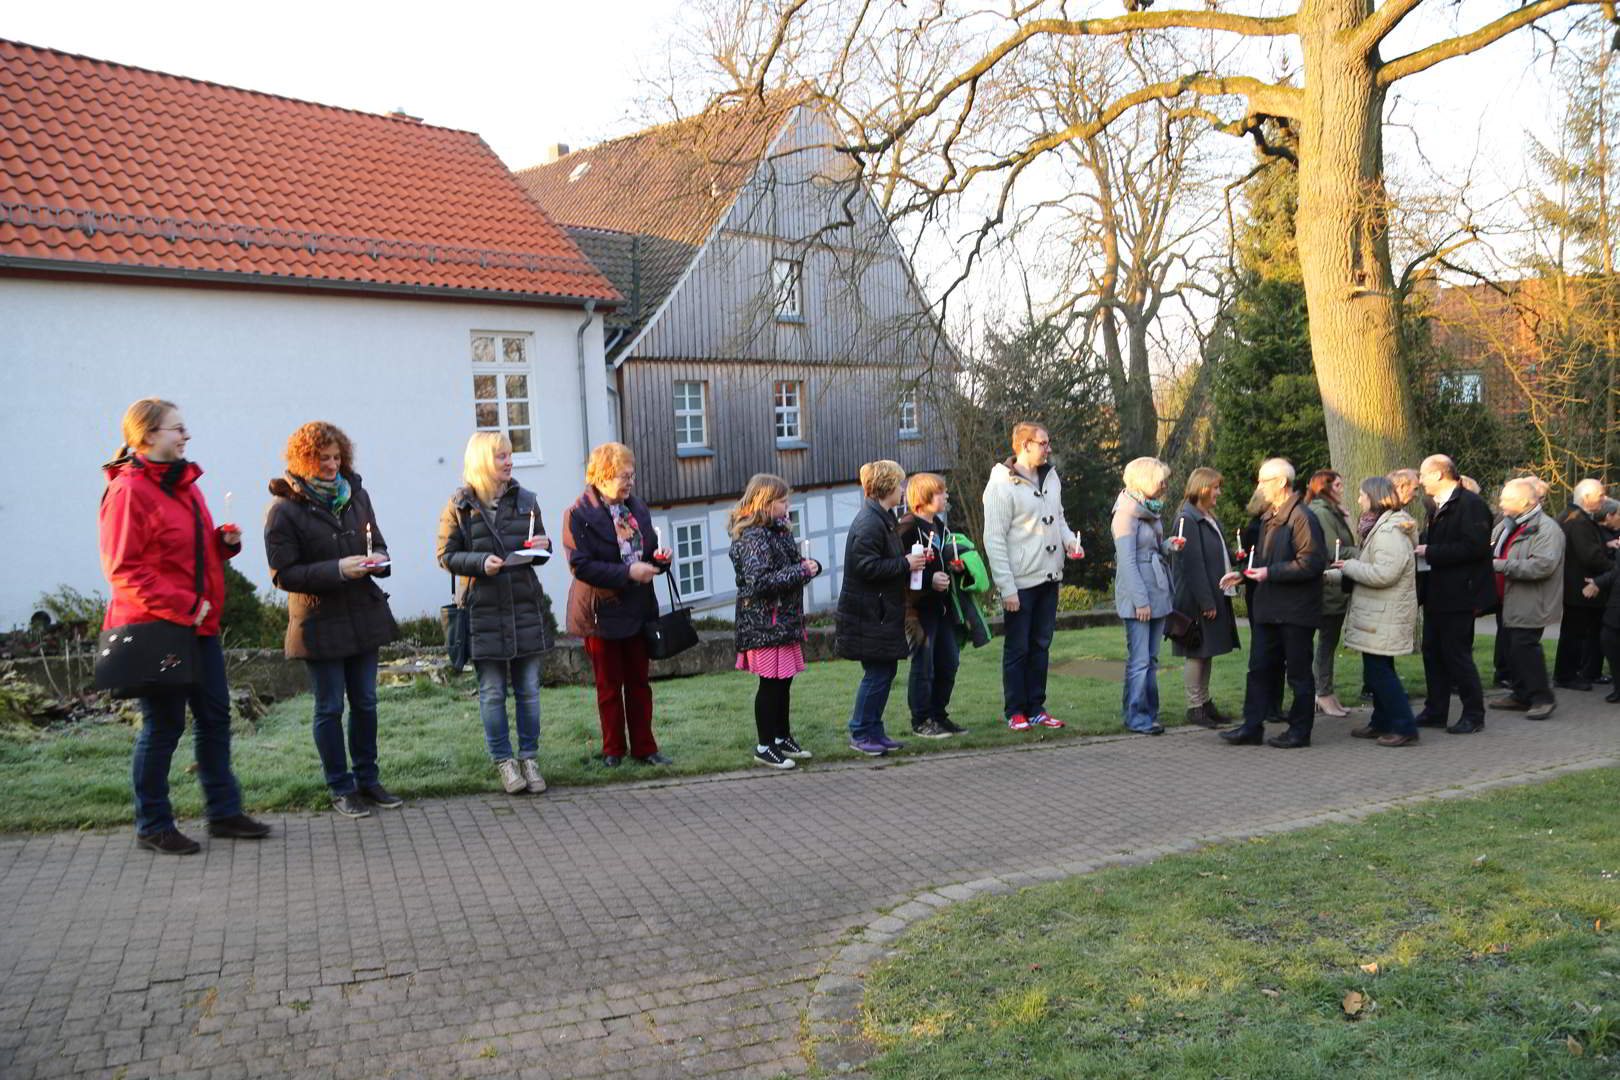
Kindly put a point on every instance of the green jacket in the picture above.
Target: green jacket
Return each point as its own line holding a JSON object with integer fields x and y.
{"x": 1335, "y": 601}
{"x": 966, "y": 586}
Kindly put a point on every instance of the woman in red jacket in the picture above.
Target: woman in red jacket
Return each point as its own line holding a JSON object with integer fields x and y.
{"x": 151, "y": 515}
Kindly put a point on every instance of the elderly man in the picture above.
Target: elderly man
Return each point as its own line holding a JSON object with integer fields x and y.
{"x": 1457, "y": 587}
{"x": 1579, "y": 658}
{"x": 1286, "y": 565}
{"x": 1025, "y": 540}
{"x": 1528, "y": 558}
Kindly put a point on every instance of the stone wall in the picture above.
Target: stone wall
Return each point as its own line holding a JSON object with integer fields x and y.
{"x": 271, "y": 675}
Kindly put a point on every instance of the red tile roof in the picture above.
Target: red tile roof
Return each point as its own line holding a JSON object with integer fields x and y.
{"x": 111, "y": 166}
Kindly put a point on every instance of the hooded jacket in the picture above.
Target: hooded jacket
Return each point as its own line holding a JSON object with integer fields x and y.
{"x": 1024, "y": 530}
{"x": 1383, "y": 605}
{"x": 329, "y": 617}
{"x": 1141, "y": 559}
{"x": 148, "y": 521}
{"x": 506, "y": 612}
{"x": 770, "y": 587}
{"x": 871, "y": 620}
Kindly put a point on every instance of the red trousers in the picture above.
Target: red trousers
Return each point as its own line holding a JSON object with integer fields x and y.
{"x": 623, "y": 695}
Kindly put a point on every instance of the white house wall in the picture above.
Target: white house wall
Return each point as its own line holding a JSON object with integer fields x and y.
{"x": 246, "y": 368}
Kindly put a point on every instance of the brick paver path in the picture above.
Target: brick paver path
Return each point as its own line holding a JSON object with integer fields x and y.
{"x": 654, "y": 931}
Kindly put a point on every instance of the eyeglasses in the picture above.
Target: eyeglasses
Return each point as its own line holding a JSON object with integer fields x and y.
{"x": 181, "y": 428}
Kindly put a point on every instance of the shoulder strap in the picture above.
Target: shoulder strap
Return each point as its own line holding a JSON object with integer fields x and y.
{"x": 196, "y": 517}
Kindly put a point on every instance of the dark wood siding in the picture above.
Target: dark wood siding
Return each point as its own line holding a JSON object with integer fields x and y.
{"x": 851, "y": 416}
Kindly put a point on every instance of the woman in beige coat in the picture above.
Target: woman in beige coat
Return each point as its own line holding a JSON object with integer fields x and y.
{"x": 1383, "y": 610}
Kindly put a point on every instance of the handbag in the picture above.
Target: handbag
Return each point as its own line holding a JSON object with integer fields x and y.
{"x": 671, "y": 633}
{"x": 457, "y": 622}
{"x": 140, "y": 659}
{"x": 1184, "y": 630}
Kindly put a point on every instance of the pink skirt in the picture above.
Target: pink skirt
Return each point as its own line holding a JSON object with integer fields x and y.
{"x": 774, "y": 662}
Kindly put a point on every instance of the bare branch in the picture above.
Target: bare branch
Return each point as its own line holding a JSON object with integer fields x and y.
{"x": 1463, "y": 44}
{"x": 1375, "y": 27}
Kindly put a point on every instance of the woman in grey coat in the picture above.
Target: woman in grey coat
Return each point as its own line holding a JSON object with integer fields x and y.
{"x": 489, "y": 534}
{"x": 1203, "y": 586}
{"x": 1142, "y": 587}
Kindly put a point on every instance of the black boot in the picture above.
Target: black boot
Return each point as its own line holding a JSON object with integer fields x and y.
{"x": 1199, "y": 714}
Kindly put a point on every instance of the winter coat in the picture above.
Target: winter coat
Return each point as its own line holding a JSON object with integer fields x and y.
{"x": 1141, "y": 559}
{"x": 770, "y": 587}
{"x": 148, "y": 526}
{"x": 329, "y": 617}
{"x": 1195, "y": 575}
{"x": 1335, "y": 526}
{"x": 506, "y": 612}
{"x": 1290, "y": 548}
{"x": 1585, "y": 556}
{"x": 871, "y": 620}
{"x": 1534, "y": 571}
{"x": 1609, "y": 584}
{"x": 1458, "y": 536}
{"x": 1383, "y": 605}
{"x": 1024, "y": 530}
{"x": 957, "y": 602}
{"x": 603, "y": 601}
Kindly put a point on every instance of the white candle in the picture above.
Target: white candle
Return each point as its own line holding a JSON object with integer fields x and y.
{"x": 531, "y": 524}
{"x": 956, "y": 553}
{"x": 228, "y": 497}
{"x": 804, "y": 549}
{"x": 368, "y": 539}
{"x": 1181, "y": 524}
{"x": 1335, "y": 549}
{"x": 658, "y": 537}
{"x": 1251, "y": 553}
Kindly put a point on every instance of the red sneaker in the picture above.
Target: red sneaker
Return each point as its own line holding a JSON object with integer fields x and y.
{"x": 1046, "y": 719}
{"x": 1018, "y": 722}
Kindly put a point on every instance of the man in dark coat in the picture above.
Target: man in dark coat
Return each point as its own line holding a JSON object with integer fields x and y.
{"x": 1579, "y": 657}
{"x": 1287, "y": 566}
{"x": 1456, "y": 589}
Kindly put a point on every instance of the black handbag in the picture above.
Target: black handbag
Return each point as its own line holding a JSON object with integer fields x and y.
{"x": 1185, "y": 630}
{"x": 140, "y": 659}
{"x": 671, "y": 633}
{"x": 457, "y": 622}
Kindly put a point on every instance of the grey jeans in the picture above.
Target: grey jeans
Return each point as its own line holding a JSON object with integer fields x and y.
{"x": 1195, "y": 677}
{"x": 1327, "y": 643}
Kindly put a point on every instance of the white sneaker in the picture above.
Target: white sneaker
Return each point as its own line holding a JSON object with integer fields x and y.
{"x": 511, "y": 776}
{"x": 532, "y": 777}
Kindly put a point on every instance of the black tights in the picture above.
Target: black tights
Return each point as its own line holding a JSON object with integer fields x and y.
{"x": 771, "y": 709}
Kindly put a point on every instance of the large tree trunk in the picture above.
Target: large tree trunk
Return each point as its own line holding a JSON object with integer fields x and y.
{"x": 1128, "y": 376}
{"x": 1344, "y": 249}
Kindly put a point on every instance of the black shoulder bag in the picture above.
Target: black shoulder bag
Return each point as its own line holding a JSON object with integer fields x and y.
{"x": 672, "y": 633}
{"x": 140, "y": 659}
{"x": 457, "y": 622}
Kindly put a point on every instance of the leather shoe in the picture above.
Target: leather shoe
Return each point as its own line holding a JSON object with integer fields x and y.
{"x": 611, "y": 761}
{"x": 655, "y": 758}
{"x": 1243, "y": 736}
{"x": 1290, "y": 740}
{"x": 1509, "y": 704}
{"x": 1368, "y": 732}
{"x": 1572, "y": 684}
{"x": 1612, "y": 695}
{"x": 1425, "y": 720}
{"x": 1466, "y": 727}
{"x": 1200, "y": 715}
{"x": 1398, "y": 740}
{"x": 240, "y": 827}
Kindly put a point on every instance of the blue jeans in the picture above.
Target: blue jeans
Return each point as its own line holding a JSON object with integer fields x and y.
{"x": 1027, "y": 649}
{"x": 933, "y": 669}
{"x": 523, "y": 675}
{"x": 1391, "y": 711}
{"x": 163, "y": 721}
{"x": 330, "y": 680}
{"x": 871, "y": 698}
{"x": 1140, "y": 701}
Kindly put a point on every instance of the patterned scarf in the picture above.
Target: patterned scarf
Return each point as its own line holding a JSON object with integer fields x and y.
{"x": 333, "y": 494}
{"x": 1366, "y": 523}
{"x": 628, "y": 532}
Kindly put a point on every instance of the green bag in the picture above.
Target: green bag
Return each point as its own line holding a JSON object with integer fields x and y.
{"x": 975, "y": 577}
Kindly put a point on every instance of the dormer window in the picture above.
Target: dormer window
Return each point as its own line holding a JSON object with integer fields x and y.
{"x": 787, "y": 289}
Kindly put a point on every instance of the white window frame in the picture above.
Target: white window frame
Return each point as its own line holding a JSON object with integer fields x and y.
{"x": 500, "y": 368}
{"x": 691, "y": 554}
{"x": 1469, "y": 386}
{"x": 911, "y": 401}
{"x": 796, "y": 521}
{"x": 788, "y": 417}
{"x": 687, "y": 412}
{"x": 787, "y": 289}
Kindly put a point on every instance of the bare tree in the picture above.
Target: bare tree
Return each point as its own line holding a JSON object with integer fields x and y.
{"x": 926, "y": 149}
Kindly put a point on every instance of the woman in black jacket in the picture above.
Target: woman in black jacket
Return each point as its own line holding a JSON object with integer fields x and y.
{"x": 326, "y": 549}
{"x": 771, "y": 574}
{"x": 490, "y": 535}
{"x": 871, "y": 624}
{"x": 1204, "y": 583}
{"x": 613, "y": 554}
